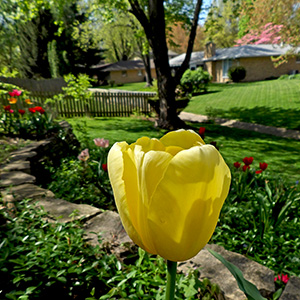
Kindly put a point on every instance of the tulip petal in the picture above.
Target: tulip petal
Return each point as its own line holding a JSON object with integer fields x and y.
{"x": 120, "y": 167}
{"x": 186, "y": 204}
{"x": 182, "y": 138}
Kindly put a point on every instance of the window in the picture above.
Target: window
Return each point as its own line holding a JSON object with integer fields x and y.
{"x": 226, "y": 64}
{"x": 140, "y": 73}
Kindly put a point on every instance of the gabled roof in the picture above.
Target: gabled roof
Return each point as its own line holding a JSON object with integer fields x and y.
{"x": 234, "y": 53}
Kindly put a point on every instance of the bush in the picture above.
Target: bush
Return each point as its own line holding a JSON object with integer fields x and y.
{"x": 237, "y": 73}
{"x": 195, "y": 81}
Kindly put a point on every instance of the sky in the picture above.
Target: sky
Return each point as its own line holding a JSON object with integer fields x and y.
{"x": 204, "y": 10}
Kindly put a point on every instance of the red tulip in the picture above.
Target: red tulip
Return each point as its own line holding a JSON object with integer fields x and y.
{"x": 246, "y": 167}
{"x": 202, "y": 132}
{"x": 7, "y": 107}
{"x": 248, "y": 160}
{"x": 21, "y": 112}
{"x": 237, "y": 164}
{"x": 104, "y": 167}
{"x": 32, "y": 109}
{"x": 263, "y": 166}
{"x": 258, "y": 171}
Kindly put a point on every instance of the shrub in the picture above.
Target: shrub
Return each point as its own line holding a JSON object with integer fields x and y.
{"x": 237, "y": 73}
{"x": 195, "y": 81}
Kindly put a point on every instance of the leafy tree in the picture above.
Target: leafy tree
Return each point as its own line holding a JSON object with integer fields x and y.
{"x": 221, "y": 26}
{"x": 154, "y": 16}
{"x": 254, "y": 16}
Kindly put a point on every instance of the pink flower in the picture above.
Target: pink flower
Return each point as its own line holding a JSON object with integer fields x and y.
{"x": 283, "y": 278}
{"x": 15, "y": 93}
{"x": 84, "y": 155}
{"x": 11, "y": 111}
{"x": 101, "y": 142}
{"x": 248, "y": 160}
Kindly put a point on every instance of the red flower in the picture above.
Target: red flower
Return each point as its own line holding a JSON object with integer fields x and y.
{"x": 32, "y": 110}
{"x": 258, "y": 171}
{"x": 7, "y": 107}
{"x": 248, "y": 160}
{"x": 11, "y": 111}
{"x": 237, "y": 164}
{"x": 104, "y": 167}
{"x": 263, "y": 166}
{"x": 283, "y": 278}
{"x": 15, "y": 93}
{"x": 21, "y": 112}
{"x": 202, "y": 132}
{"x": 39, "y": 109}
{"x": 246, "y": 167}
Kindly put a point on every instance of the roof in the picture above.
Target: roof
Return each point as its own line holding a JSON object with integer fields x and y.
{"x": 234, "y": 53}
{"x": 196, "y": 57}
{"x": 124, "y": 65}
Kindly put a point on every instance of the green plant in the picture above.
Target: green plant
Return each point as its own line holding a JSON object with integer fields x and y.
{"x": 237, "y": 73}
{"x": 195, "y": 81}
{"x": 41, "y": 259}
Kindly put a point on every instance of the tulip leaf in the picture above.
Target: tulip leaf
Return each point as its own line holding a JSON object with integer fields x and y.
{"x": 245, "y": 286}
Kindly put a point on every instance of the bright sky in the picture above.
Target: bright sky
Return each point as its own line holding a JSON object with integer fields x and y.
{"x": 204, "y": 10}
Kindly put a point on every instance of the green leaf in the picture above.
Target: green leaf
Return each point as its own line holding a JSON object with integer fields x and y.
{"x": 245, "y": 286}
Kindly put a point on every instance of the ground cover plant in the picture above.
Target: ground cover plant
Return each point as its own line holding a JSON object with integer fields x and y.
{"x": 44, "y": 260}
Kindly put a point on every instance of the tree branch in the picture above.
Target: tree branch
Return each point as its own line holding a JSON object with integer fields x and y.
{"x": 137, "y": 11}
{"x": 185, "y": 63}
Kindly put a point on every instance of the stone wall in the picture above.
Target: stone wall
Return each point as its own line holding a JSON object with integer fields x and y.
{"x": 19, "y": 178}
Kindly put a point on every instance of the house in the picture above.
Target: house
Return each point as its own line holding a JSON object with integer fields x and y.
{"x": 256, "y": 59}
{"x": 124, "y": 71}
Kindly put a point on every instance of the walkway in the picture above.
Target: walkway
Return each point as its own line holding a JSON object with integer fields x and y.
{"x": 281, "y": 132}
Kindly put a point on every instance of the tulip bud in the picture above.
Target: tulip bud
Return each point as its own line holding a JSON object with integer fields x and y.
{"x": 169, "y": 192}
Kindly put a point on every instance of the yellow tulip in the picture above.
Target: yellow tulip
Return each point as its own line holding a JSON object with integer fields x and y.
{"x": 169, "y": 192}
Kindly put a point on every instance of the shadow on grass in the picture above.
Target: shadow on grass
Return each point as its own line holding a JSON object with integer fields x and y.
{"x": 276, "y": 117}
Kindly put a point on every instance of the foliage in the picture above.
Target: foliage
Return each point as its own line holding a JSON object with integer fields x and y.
{"x": 77, "y": 88}
{"x": 41, "y": 259}
{"x": 221, "y": 25}
{"x": 237, "y": 73}
{"x": 260, "y": 219}
{"x": 195, "y": 81}
{"x": 84, "y": 179}
{"x": 285, "y": 13}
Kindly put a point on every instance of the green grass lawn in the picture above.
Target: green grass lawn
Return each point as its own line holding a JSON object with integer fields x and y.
{"x": 274, "y": 103}
{"x": 282, "y": 155}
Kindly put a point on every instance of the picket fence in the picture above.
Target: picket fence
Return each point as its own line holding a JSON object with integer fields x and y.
{"x": 100, "y": 104}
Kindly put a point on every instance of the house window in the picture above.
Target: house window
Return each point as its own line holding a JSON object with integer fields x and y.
{"x": 124, "y": 73}
{"x": 226, "y": 64}
{"x": 140, "y": 73}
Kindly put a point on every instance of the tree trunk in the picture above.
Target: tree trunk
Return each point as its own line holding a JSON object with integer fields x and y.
{"x": 146, "y": 61}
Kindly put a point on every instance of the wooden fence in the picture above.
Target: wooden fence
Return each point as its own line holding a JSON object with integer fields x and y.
{"x": 100, "y": 104}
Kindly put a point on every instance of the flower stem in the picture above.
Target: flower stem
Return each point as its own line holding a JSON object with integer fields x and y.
{"x": 171, "y": 278}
